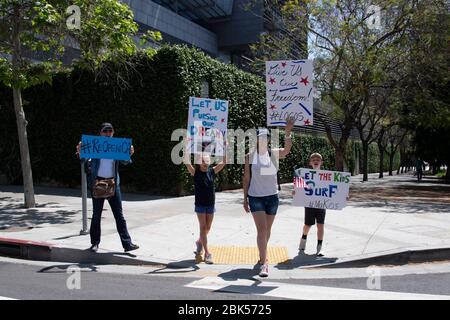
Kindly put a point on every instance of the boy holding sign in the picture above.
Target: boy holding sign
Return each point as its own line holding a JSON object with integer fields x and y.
{"x": 318, "y": 190}
{"x": 313, "y": 215}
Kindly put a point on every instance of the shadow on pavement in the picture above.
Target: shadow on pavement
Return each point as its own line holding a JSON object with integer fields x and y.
{"x": 64, "y": 267}
{"x": 18, "y": 204}
{"x": 11, "y": 216}
{"x": 177, "y": 267}
{"x": 241, "y": 273}
{"x": 245, "y": 274}
{"x": 253, "y": 289}
{"x": 303, "y": 259}
{"x": 76, "y": 193}
{"x": 56, "y": 191}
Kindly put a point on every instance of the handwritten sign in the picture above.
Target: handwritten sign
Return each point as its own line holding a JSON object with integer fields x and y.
{"x": 321, "y": 188}
{"x": 207, "y": 124}
{"x": 289, "y": 92}
{"x": 98, "y": 147}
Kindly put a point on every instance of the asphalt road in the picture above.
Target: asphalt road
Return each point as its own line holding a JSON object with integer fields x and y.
{"x": 20, "y": 281}
{"x": 23, "y": 281}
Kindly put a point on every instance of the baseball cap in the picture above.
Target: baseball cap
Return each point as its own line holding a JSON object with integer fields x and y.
{"x": 315, "y": 155}
{"x": 262, "y": 132}
{"x": 106, "y": 125}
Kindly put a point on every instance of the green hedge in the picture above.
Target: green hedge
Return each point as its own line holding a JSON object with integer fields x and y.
{"x": 148, "y": 112}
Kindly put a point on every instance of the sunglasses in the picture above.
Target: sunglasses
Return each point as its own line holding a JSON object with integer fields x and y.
{"x": 107, "y": 130}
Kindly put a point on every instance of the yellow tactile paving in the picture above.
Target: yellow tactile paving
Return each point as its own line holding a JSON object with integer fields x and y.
{"x": 246, "y": 255}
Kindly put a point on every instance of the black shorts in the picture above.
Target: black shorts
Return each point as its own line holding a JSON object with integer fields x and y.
{"x": 314, "y": 214}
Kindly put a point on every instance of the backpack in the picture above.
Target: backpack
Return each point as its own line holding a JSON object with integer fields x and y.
{"x": 278, "y": 176}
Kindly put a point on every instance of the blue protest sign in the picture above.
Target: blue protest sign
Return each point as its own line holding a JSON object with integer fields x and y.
{"x": 98, "y": 147}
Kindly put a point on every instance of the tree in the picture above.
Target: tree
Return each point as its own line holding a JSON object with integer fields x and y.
{"x": 369, "y": 127}
{"x": 395, "y": 135}
{"x": 108, "y": 38}
{"x": 27, "y": 26}
{"x": 390, "y": 137}
{"x": 381, "y": 97}
{"x": 37, "y": 30}
{"x": 426, "y": 90}
{"x": 347, "y": 53}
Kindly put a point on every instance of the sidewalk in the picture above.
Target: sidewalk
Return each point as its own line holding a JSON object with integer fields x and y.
{"x": 384, "y": 216}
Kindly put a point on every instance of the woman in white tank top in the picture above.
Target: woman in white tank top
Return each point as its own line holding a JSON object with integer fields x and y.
{"x": 261, "y": 188}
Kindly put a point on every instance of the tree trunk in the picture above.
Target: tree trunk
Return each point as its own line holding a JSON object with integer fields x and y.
{"x": 391, "y": 163}
{"x": 339, "y": 160}
{"x": 365, "y": 165}
{"x": 401, "y": 161}
{"x": 24, "y": 150}
{"x": 381, "y": 164}
{"x": 20, "y": 114}
{"x": 435, "y": 169}
{"x": 341, "y": 146}
{"x": 391, "y": 160}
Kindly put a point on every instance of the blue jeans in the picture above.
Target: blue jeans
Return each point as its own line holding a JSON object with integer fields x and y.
{"x": 121, "y": 225}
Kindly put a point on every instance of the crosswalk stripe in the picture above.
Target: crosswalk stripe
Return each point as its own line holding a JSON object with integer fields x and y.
{"x": 304, "y": 292}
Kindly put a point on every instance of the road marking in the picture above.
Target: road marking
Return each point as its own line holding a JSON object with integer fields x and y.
{"x": 6, "y": 298}
{"x": 304, "y": 292}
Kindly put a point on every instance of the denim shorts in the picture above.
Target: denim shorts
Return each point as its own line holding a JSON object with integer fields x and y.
{"x": 205, "y": 209}
{"x": 267, "y": 204}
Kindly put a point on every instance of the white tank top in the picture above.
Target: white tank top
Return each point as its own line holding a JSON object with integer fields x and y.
{"x": 263, "y": 181}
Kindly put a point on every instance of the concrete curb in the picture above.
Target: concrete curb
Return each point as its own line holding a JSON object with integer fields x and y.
{"x": 391, "y": 257}
{"x": 43, "y": 251}
{"x": 33, "y": 250}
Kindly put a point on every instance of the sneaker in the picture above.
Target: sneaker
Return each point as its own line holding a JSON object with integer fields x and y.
{"x": 319, "y": 252}
{"x": 302, "y": 244}
{"x": 209, "y": 258}
{"x": 94, "y": 248}
{"x": 264, "y": 272}
{"x": 131, "y": 247}
{"x": 199, "y": 248}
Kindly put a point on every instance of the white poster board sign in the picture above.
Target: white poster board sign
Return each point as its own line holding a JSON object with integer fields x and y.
{"x": 207, "y": 125}
{"x": 321, "y": 188}
{"x": 289, "y": 92}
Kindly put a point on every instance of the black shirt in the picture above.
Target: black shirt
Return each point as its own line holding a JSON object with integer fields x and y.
{"x": 204, "y": 187}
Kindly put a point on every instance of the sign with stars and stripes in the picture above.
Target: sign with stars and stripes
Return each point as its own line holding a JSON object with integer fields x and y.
{"x": 289, "y": 92}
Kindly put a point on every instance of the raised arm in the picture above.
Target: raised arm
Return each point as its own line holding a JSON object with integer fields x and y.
{"x": 283, "y": 152}
{"x": 187, "y": 159}
{"x": 221, "y": 164}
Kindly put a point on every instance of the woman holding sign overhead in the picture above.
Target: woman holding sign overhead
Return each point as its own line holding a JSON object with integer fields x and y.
{"x": 260, "y": 185}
